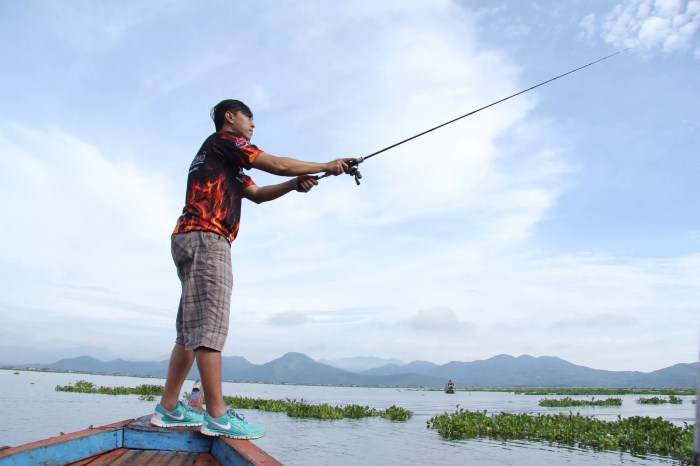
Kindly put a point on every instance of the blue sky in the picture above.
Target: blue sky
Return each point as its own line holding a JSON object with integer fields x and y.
{"x": 563, "y": 222}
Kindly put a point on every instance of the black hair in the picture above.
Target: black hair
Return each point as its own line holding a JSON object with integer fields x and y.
{"x": 229, "y": 105}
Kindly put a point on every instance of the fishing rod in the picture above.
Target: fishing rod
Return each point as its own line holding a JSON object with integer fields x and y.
{"x": 354, "y": 163}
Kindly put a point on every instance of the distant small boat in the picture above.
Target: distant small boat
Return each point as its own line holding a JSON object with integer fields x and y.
{"x": 136, "y": 441}
{"x": 450, "y": 387}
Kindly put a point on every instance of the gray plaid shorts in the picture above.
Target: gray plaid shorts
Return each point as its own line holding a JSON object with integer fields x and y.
{"x": 203, "y": 261}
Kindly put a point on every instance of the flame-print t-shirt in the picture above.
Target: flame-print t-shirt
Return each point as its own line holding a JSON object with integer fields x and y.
{"x": 215, "y": 185}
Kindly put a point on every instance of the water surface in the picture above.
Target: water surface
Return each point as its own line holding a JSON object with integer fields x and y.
{"x": 37, "y": 411}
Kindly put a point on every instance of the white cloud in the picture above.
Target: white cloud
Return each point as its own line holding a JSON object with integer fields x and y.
{"x": 653, "y": 25}
{"x": 436, "y": 320}
{"x": 288, "y": 318}
{"x": 86, "y": 245}
{"x": 588, "y": 26}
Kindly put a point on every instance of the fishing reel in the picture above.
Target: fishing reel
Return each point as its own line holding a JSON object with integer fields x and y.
{"x": 354, "y": 171}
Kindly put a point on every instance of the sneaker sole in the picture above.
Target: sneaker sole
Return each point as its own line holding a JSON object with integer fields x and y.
{"x": 216, "y": 433}
{"x": 157, "y": 420}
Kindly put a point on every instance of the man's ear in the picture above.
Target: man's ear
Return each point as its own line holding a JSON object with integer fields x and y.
{"x": 229, "y": 116}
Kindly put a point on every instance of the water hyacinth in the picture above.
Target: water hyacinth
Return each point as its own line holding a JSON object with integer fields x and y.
{"x": 83, "y": 386}
{"x": 568, "y": 402}
{"x": 602, "y": 391}
{"x": 293, "y": 408}
{"x": 655, "y": 400}
{"x": 637, "y": 435}
{"x": 298, "y": 408}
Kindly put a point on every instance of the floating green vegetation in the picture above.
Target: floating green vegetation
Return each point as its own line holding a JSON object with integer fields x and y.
{"x": 603, "y": 391}
{"x": 295, "y": 408}
{"x": 568, "y": 402}
{"x": 83, "y": 386}
{"x": 655, "y": 400}
{"x": 637, "y": 435}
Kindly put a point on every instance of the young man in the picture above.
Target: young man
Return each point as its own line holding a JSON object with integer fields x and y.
{"x": 201, "y": 249}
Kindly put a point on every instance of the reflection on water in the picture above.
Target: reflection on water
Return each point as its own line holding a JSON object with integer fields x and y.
{"x": 29, "y": 396}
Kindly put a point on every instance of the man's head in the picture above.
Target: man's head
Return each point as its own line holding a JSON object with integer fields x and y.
{"x": 233, "y": 115}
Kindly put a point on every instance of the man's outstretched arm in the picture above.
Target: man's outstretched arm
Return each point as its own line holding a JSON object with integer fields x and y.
{"x": 287, "y": 166}
{"x": 259, "y": 194}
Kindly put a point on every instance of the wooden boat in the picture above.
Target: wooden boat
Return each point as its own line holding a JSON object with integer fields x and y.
{"x": 136, "y": 442}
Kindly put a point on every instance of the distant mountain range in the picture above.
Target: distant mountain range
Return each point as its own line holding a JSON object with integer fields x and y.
{"x": 502, "y": 371}
{"x": 359, "y": 364}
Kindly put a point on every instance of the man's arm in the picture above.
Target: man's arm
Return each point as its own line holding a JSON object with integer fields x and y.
{"x": 287, "y": 166}
{"x": 260, "y": 194}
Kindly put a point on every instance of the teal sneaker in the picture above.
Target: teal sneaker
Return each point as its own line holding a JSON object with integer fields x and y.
{"x": 231, "y": 425}
{"x": 178, "y": 417}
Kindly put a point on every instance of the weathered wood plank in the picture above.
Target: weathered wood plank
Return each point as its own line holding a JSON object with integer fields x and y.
{"x": 154, "y": 458}
{"x": 206, "y": 459}
{"x": 123, "y": 456}
{"x": 103, "y": 459}
{"x": 241, "y": 452}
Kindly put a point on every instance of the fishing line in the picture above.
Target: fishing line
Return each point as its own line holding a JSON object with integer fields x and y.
{"x": 354, "y": 163}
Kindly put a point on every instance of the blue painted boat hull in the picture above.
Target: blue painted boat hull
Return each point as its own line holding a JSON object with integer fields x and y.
{"x": 139, "y": 435}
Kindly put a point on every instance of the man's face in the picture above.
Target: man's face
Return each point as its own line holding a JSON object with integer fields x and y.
{"x": 241, "y": 123}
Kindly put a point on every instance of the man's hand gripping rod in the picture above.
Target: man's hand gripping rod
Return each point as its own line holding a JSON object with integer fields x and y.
{"x": 353, "y": 170}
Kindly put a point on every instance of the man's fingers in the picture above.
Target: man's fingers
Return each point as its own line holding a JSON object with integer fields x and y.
{"x": 305, "y": 184}
{"x": 339, "y": 166}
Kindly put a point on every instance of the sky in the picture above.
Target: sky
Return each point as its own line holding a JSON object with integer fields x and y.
{"x": 562, "y": 222}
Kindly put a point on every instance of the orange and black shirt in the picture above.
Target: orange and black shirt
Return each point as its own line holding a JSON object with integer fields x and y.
{"x": 215, "y": 185}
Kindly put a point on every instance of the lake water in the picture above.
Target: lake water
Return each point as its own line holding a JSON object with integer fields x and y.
{"x": 34, "y": 411}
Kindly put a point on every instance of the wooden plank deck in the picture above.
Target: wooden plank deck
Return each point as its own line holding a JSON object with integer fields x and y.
{"x": 136, "y": 442}
{"x": 127, "y": 457}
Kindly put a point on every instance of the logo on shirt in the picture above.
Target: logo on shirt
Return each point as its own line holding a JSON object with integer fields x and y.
{"x": 198, "y": 160}
{"x": 241, "y": 143}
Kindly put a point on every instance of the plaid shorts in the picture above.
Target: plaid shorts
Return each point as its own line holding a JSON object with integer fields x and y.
{"x": 203, "y": 261}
